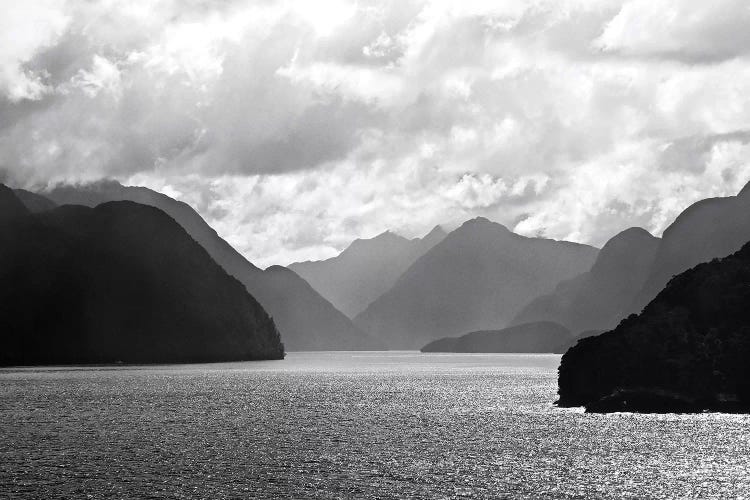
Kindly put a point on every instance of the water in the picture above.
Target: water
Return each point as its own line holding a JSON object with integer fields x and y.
{"x": 348, "y": 425}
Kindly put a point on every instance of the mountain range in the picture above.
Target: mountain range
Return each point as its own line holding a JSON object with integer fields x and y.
{"x": 480, "y": 277}
{"x": 708, "y": 229}
{"x": 305, "y": 319}
{"x": 633, "y": 267}
{"x": 477, "y": 278}
{"x": 366, "y": 269}
{"x": 687, "y": 351}
{"x": 121, "y": 282}
{"x": 599, "y": 298}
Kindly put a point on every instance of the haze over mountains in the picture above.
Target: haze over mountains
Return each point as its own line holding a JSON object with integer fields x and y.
{"x": 119, "y": 282}
{"x": 599, "y": 298}
{"x": 305, "y": 319}
{"x": 708, "y": 229}
{"x": 365, "y": 269}
{"x": 480, "y": 277}
{"x": 476, "y": 278}
{"x": 688, "y": 350}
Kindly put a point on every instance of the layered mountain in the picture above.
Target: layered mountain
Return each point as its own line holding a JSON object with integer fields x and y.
{"x": 121, "y": 282}
{"x": 366, "y": 269}
{"x": 477, "y": 278}
{"x": 34, "y": 202}
{"x": 688, "y": 350}
{"x": 539, "y": 337}
{"x": 711, "y": 228}
{"x": 306, "y": 320}
{"x": 599, "y": 298}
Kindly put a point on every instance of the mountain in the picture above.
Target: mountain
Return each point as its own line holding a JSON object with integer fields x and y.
{"x": 711, "y": 228}
{"x": 477, "y": 278}
{"x": 10, "y": 206}
{"x": 688, "y": 350}
{"x": 599, "y": 298}
{"x": 34, "y": 202}
{"x": 305, "y": 319}
{"x": 119, "y": 282}
{"x": 366, "y": 269}
{"x": 543, "y": 336}
{"x": 563, "y": 348}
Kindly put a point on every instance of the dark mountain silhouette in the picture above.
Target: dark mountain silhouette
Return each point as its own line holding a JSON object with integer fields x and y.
{"x": 689, "y": 349}
{"x": 305, "y": 319}
{"x": 599, "y": 298}
{"x": 366, "y": 269}
{"x": 120, "y": 282}
{"x": 477, "y": 278}
{"x": 10, "y": 206}
{"x": 543, "y": 336}
{"x": 34, "y": 202}
{"x": 708, "y": 229}
{"x": 563, "y": 348}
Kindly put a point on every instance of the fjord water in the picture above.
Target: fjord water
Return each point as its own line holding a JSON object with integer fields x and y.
{"x": 352, "y": 424}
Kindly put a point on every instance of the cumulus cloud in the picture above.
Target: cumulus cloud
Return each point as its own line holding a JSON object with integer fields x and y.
{"x": 295, "y": 126}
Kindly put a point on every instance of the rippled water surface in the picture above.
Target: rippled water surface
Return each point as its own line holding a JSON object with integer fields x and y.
{"x": 346, "y": 425}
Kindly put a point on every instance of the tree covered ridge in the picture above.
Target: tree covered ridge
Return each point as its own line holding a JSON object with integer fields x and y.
{"x": 691, "y": 345}
{"x": 120, "y": 282}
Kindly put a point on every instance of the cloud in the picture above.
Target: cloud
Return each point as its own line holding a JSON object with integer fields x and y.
{"x": 296, "y": 127}
{"x": 691, "y": 31}
{"x": 26, "y": 29}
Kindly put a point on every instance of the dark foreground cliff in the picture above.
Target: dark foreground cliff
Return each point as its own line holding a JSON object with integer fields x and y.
{"x": 121, "y": 282}
{"x": 688, "y": 351}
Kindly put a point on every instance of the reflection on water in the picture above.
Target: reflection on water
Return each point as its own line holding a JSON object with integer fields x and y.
{"x": 333, "y": 425}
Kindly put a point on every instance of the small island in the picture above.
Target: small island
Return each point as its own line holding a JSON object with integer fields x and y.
{"x": 537, "y": 337}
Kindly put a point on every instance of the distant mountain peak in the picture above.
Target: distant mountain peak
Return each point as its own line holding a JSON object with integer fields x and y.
{"x": 630, "y": 236}
{"x": 388, "y": 234}
{"x": 435, "y": 232}
{"x": 482, "y": 222}
{"x": 366, "y": 269}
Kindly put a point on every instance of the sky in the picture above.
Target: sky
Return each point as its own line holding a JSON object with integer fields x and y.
{"x": 294, "y": 127}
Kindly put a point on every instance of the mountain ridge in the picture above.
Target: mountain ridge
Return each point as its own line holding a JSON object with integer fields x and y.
{"x": 309, "y": 323}
{"x": 708, "y": 229}
{"x": 687, "y": 351}
{"x": 474, "y": 279}
{"x": 365, "y": 269}
{"x": 121, "y": 282}
{"x": 600, "y": 297}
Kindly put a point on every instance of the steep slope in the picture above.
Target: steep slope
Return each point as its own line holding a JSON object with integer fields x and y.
{"x": 708, "y": 229}
{"x": 366, "y": 269}
{"x": 34, "y": 202}
{"x": 599, "y": 298}
{"x": 10, "y": 206}
{"x": 120, "y": 282}
{"x": 305, "y": 319}
{"x": 689, "y": 349}
{"x": 543, "y": 336}
{"x": 477, "y": 278}
{"x": 295, "y": 300}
